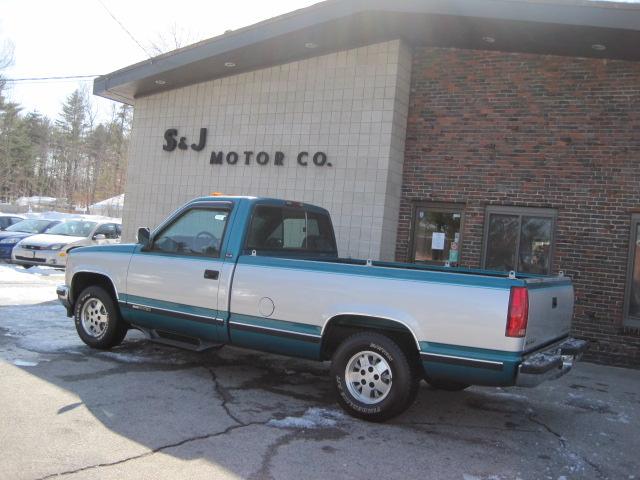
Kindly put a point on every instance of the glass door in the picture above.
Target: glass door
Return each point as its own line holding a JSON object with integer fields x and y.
{"x": 436, "y": 234}
{"x": 632, "y": 304}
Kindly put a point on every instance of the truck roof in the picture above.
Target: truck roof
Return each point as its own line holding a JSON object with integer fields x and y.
{"x": 278, "y": 202}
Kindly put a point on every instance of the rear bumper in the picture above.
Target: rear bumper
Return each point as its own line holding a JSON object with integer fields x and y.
{"x": 550, "y": 363}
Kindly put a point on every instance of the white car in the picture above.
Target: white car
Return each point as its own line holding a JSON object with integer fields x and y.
{"x": 51, "y": 248}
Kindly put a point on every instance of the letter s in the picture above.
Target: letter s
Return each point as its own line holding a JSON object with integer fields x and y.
{"x": 170, "y": 138}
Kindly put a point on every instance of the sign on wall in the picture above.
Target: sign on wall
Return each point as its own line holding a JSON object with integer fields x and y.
{"x": 246, "y": 157}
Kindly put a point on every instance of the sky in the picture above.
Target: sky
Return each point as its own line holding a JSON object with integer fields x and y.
{"x": 79, "y": 37}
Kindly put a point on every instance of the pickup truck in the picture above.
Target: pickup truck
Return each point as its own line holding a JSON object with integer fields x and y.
{"x": 265, "y": 274}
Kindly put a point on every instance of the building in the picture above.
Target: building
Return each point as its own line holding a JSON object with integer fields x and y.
{"x": 496, "y": 133}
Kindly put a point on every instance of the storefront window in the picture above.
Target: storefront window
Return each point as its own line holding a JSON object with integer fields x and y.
{"x": 519, "y": 239}
{"x": 436, "y": 234}
{"x": 633, "y": 282}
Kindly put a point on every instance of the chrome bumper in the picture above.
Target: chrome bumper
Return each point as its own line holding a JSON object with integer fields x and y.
{"x": 550, "y": 363}
{"x": 63, "y": 297}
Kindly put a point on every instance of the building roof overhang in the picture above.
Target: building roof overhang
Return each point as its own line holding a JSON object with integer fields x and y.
{"x": 570, "y": 28}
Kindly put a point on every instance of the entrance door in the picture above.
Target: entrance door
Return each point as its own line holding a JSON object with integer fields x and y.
{"x": 632, "y": 304}
{"x": 172, "y": 285}
{"x": 436, "y": 234}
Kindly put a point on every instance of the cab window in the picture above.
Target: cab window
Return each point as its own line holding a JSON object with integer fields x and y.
{"x": 198, "y": 232}
{"x": 276, "y": 228}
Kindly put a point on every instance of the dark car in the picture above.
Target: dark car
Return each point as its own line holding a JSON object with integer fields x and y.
{"x": 24, "y": 228}
{"x": 6, "y": 220}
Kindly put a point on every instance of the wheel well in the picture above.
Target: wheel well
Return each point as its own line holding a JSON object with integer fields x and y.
{"x": 83, "y": 280}
{"x": 343, "y": 326}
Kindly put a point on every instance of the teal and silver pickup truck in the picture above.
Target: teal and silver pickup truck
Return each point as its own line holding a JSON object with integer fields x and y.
{"x": 265, "y": 274}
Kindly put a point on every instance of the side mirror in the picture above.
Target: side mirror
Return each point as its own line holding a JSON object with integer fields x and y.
{"x": 143, "y": 237}
{"x": 99, "y": 236}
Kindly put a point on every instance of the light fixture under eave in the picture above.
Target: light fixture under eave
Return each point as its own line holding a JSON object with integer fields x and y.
{"x": 229, "y": 64}
{"x": 310, "y": 45}
{"x": 489, "y": 39}
{"x": 160, "y": 82}
{"x": 598, "y": 47}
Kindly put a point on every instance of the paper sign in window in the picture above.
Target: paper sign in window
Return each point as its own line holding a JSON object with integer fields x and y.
{"x": 437, "y": 241}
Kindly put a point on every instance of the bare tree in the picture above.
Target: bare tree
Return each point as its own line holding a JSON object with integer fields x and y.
{"x": 173, "y": 38}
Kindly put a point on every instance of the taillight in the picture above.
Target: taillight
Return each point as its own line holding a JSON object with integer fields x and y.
{"x": 518, "y": 312}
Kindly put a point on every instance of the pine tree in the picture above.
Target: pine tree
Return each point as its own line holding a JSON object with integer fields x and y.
{"x": 70, "y": 137}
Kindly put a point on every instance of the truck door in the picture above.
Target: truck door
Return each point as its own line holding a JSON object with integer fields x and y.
{"x": 172, "y": 284}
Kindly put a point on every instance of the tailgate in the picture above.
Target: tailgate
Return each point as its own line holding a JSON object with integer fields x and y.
{"x": 550, "y": 310}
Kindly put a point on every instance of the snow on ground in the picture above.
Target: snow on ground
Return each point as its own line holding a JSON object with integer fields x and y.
{"x": 34, "y": 325}
{"x": 20, "y": 286}
{"x": 17, "y": 274}
{"x": 39, "y": 328}
{"x": 312, "y": 418}
{"x": 31, "y": 317}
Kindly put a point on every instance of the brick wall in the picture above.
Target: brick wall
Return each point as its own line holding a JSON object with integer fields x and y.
{"x": 492, "y": 128}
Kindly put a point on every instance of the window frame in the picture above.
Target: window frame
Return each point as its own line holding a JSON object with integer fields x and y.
{"x": 628, "y": 321}
{"x": 441, "y": 207}
{"x": 177, "y": 217}
{"x": 306, "y": 211}
{"x": 550, "y": 213}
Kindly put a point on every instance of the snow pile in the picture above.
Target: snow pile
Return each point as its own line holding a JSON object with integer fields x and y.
{"x": 314, "y": 417}
{"x": 24, "y": 363}
{"x": 27, "y": 287}
{"x": 40, "y": 328}
{"x": 15, "y": 274}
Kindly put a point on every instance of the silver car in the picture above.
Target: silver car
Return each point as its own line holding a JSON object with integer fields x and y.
{"x": 51, "y": 248}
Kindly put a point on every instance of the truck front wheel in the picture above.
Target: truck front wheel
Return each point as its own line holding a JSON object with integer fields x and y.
{"x": 372, "y": 377}
{"x": 97, "y": 318}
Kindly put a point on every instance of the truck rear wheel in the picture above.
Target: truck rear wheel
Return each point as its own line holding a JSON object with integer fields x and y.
{"x": 97, "y": 318}
{"x": 372, "y": 377}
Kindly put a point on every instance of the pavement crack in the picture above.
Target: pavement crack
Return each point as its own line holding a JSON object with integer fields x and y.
{"x": 153, "y": 451}
{"x": 224, "y": 395}
{"x": 559, "y": 436}
{"x": 565, "y": 446}
{"x": 264, "y": 472}
{"x": 314, "y": 434}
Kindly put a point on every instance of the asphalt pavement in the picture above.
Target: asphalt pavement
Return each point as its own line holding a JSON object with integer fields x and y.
{"x": 150, "y": 411}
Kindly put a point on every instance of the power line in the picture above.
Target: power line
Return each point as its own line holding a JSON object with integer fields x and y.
{"x": 38, "y": 79}
{"x": 124, "y": 28}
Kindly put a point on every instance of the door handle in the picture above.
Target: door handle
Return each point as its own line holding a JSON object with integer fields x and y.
{"x": 211, "y": 274}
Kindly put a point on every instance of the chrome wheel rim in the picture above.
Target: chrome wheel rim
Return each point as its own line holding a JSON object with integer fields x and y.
{"x": 368, "y": 377}
{"x": 94, "y": 318}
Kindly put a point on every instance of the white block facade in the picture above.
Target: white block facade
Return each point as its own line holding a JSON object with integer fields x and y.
{"x": 351, "y": 105}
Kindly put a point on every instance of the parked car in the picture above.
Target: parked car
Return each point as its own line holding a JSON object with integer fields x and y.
{"x": 6, "y": 220}
{"x": 21, "y": 230}
{"x": 51, "y": 248}
{"x": 265, "y": 274}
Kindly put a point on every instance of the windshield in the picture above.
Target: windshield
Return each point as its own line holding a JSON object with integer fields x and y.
{"x": 77, "y": 228}
{"x": 29, "y": 226}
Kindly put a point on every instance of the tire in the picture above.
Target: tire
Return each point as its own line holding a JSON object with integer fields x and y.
{"x": 97, "y": 318}
{"x": 385, "y": 366}
{"x": 448, "y": 385}
{"x": 26, "y": 266}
